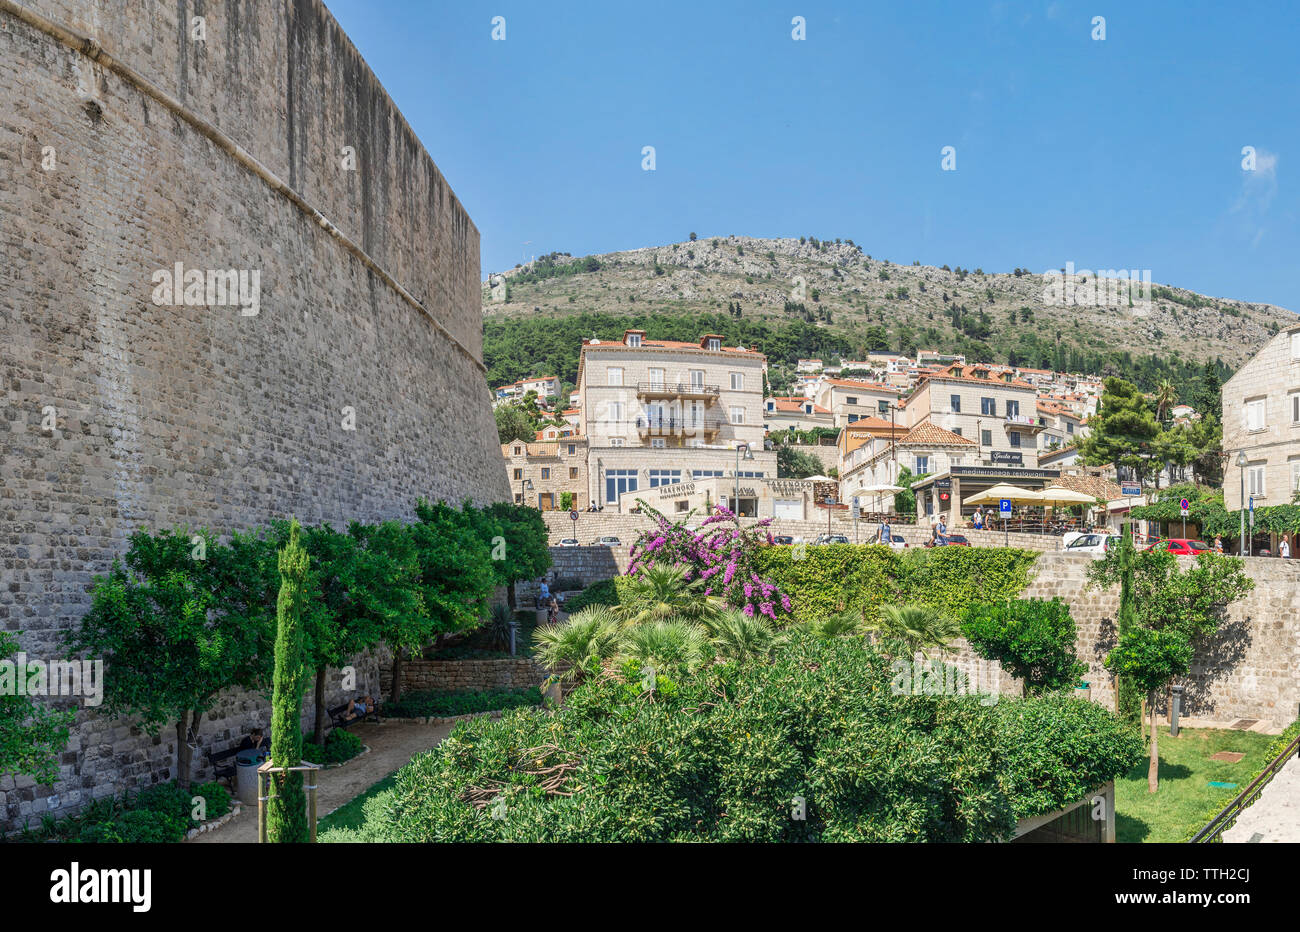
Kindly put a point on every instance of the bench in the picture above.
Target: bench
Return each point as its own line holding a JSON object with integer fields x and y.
{"x": 221, "y": 770}
{"x": 338, "y": 721}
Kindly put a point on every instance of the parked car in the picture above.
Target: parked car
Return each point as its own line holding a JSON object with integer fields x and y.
{"x": 948, "y": 540}
{"x": 830, "y": 539}
{"x": 898, "y": 543}
{"x": 607, "y": 542}
{"x": 1181, "y": 546}
{"x": 1097, "y": 545}
{"x": 784, "y": 539}
{"x": 570, "y": 542}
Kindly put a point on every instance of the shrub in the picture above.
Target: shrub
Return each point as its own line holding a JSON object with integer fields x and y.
{"x": 217, "y": 798}
{"x": 1032, "y": 638}
{"x": 604, "y": 592}
{"x": 719, "y": 756}
{"x": 340, "y": 745}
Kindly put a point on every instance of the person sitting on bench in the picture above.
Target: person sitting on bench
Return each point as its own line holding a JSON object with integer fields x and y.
{"x": 255, "y": 740}
{"x": 358, "y": 708}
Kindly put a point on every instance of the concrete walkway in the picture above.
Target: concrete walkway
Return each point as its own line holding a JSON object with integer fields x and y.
{"x": 392, "y": 745}
{"x": 1275, "y": 816}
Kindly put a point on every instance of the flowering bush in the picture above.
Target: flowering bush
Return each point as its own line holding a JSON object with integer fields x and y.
{"x": 721, "y": 553}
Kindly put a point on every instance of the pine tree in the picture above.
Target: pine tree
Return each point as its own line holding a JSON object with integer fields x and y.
{"x": 286, "y": 809}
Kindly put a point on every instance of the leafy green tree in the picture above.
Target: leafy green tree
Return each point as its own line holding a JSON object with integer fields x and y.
{"x": 796, "y": 464}
{"x": 514, "y": 424}
{"x": 1122, "y": 431}
{"x": 169, "y": 645}
{"x": 1206, "y": 438}
{"x": 1151, "y": 658}
{"x": 32, "y": 734}
{"x": 1032, "y": 638}
{"x": 521, "y": 552}
{"x": 286, "y": 805}
{"x": 905, "y": 501}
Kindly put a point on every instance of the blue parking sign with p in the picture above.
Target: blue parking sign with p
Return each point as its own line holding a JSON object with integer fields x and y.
{"x": 1004, "y": 506}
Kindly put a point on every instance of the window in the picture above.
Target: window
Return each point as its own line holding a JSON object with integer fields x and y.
{"x": 1255, "y": 479}
{"x": 883, "y": 407}
{"x": 615, "y": 375}
{"x": 1013, "y": 408}
{"x": 573, "y": 472}
{"x": 634, "y": 339}
{"x": 1255, "y": 414}
{"x": 697, "y": 378}
{"x": 614, "y": 412}
{"x": 853, "y": 417}
{"x": 519, "y": 474}
{"x": 807, "y": 409}
{"x": 618, "y": 481}
{"x": 706, "y": 473}
{"x": 956, "y": 403}
{"x": 851, "y": 401}
{"x": 737, "y": 414}
{"x": 658, "y": 443}
{"x": 1069, "y": 427}
{"x": 518, "y": 450}
{"x": 1015, "y": 438}
{"x": 1294, "y": 463}
{"x": 715, "y": 344}
{"x": 747, "y": 474}
{"x": 660, "y": 477}
{"x": 922, "y": 464}
{"x": 988, "y": 406}
{"x": 1295, "y": 345}
{"x": 957, "y": 431}
{"x": 986, "y": 438}
{"x": 771, "y": 406}
{"x": 656, "y": 376}
{"x": 616, "y": 441}
{"x": 1295, "y": 407}
{"x": 737, "y": 381}
{"x": 573, "y": 448}
{"x": 546, "y": 472}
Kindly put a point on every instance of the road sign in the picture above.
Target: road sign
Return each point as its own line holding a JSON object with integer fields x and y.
{"x": 1004, "y": 506}
{"x": 573, "y": 516}
{"x": 1130, "y": 489}
{"x": 1184, "y": 504}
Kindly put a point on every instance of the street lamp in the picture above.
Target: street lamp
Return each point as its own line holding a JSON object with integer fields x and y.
{"x": 1241, "y": 465}
{"x": 741, "y": 448}
{"x": 525, "y": 485}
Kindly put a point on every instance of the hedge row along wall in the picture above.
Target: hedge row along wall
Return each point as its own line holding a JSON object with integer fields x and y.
{"x": 824, "y": 580}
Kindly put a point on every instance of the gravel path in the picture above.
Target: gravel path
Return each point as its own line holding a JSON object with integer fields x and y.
{"x": 391, "y": 748}
{"x": 1275, "y": 816}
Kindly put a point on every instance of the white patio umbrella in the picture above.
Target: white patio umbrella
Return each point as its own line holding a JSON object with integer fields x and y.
{"x": 1010, "y": 492}
{"x": 883, "y": 489}
{"x": 1056, "y": 495}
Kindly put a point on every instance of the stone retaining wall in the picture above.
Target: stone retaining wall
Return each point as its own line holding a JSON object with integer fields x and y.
{"x": 466, "y": 675}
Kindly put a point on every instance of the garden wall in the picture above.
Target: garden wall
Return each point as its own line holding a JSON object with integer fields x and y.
{"x": 467, "y": 675}
{"x": 356, "y": 387}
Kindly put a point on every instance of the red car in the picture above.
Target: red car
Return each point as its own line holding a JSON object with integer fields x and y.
{"x": 1181, "y": 546}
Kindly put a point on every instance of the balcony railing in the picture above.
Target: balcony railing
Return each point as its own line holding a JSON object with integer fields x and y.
{"x": 1025, "y": 420}
{"x": 677, "y": 390}
{"x": 652, "y": 424}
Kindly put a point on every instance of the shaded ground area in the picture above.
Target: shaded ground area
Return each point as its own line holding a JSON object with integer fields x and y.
{"x": 392, "y": 745}
{"x": 1185, "y": 800}
{"x": 1275, "y": 816}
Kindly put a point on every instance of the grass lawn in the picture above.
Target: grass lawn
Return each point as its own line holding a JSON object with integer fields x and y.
{"x": 350, "y": 816}
{"x": 1185, "y": 800}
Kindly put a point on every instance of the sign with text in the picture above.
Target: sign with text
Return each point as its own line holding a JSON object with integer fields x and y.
{"x": 1130, "y": 488}
{"x": 1004, "y": 506}
{"x": 1006, "y": 457}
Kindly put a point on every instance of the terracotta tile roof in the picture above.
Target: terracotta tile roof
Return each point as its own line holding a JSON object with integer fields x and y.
{"x": 927, "y": 433}
{"x": 864, "y": 386}
{"x": 794, "y": 405}
{"x": 871, "y": 422}
{"x": 949, "y": 374}
{"x": 663, "y": 344}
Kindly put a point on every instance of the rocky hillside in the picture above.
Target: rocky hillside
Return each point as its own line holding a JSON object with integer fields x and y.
{"x": 874, "y": 304}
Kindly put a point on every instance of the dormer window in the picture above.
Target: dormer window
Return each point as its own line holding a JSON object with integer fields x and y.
{"x": 634, "y": 339}
{"x": 807, "y": 409}
{"x": 714, "y": 344}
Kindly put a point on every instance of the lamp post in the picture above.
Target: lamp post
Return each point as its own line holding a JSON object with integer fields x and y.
{"x": 1241, "y": 466}
{"x": 741, "y": 448}
{"x": 525, "y": 485}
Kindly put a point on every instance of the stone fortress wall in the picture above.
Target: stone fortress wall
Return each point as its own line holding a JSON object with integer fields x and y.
{"x": 128, "y": 145}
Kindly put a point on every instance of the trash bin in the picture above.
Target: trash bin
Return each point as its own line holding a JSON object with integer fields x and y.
{"x": 1083, "y": 690}
{"x": 246, "y": 764}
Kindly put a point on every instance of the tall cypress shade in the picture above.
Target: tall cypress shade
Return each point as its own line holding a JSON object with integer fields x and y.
{"x": 286, "y": 809}
{"x": 1128, "y": 696}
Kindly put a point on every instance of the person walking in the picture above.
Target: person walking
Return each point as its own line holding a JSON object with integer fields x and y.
{"x": 977, "y": 519}
{"x": 885, "y": 532}
{"x": 1218, "y": 544}
{"x": 1284, "y": 548}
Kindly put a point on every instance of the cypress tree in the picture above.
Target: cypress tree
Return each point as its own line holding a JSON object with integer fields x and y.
{"x": 286, "y": 815}
{"x": 1128, "y": 703}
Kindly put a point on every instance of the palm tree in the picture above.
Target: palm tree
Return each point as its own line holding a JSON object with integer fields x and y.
{"x": 666, "y": 644}
{"x": 1166, "y": 397}
{"x": 915, "y": 627}
{"x": 658, "y": 593}
{"x": 848, "y": 621}
{"x": 740, "y": 637}
{"x": 580, "y": 642}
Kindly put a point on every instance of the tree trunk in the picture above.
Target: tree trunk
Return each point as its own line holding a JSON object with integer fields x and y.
{"x": 184, "y": 753}
{"x": 397, "y": 676}
{"x": 510, "y": 595}
{"x": 1153, "y": 772}
{"x": 319, "y": 734}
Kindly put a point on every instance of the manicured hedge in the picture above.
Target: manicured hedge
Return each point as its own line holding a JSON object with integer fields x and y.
{"x": 827, "y": 579}
{"x": 721, "y": 755}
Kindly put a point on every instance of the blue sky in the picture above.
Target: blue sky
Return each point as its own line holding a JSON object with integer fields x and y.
{"x": 1120, "y": 153}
